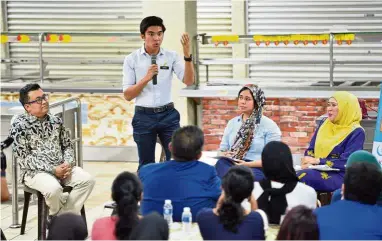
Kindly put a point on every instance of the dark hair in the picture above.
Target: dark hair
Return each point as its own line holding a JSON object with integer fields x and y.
{"x": 255, "y": 106}
{"x": 363, "y": 183}
{"x": 67, "y": 226}
{"x": 187, "y": 143}
{"x": 24, "y": 97}
{"x": 126, "y": 192}
{"x": 151, "y": 227}
{"x": 151, "y": 21}
{"x": 300, "y": 223}
{"x": 277, "y": 162}
{"x": 237, "y": 185}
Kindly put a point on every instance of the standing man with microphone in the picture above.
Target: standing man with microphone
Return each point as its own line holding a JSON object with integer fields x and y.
{"x": 147, "y": 76}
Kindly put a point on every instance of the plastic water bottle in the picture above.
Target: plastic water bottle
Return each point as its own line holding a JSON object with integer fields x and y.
{"x": 167, "y": 211}
{"x": 187, "y": 219}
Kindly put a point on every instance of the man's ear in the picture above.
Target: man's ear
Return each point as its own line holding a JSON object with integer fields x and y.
{"x": 27, "y": 107}
{"x": 199, "y": 156}
{"x": 142, "y": 36}
{"x": 170, "y": 147}
{"x": 141, "y": 197}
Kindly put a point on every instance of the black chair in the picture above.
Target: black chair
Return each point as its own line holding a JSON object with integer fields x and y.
{"x": 2, "y": 235}
{"x": 42, "y": 210}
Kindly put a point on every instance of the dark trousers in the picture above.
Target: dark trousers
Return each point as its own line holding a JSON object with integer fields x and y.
{"x": 223, "y": 165}
{"x": 147, "y": 126}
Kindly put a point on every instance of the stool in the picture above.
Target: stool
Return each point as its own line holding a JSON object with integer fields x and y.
{"x": 324, "y": 197}
{"x": 42, "y": 210}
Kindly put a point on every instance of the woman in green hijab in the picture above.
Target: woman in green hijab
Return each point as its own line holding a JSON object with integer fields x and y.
{"x": 359, "y": 156}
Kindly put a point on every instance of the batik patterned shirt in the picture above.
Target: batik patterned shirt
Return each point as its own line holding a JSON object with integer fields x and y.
{"x": 40, "y": 145}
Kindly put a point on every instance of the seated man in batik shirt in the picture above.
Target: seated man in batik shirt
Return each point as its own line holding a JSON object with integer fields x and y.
{"x": 44, "y": 151}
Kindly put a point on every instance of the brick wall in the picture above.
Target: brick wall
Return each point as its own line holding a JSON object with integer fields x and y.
{"x": 295, "y": 117}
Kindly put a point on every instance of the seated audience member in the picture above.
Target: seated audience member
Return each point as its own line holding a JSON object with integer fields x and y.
{"x": 359, "y": 156}
{"x": 126, "y": 191}
{"x": 44, "y": 151}
{"x": 281, "y": 188}
{"x": 335, "y": 139}
{"x": 229, "y": 220}
{"x": 357, "y": 216}
{"x": 184, "y": 180}
{"x": 300, "y": 223}
{"x": 151, "y": 227}
{"x": 246, "y": 135}
{"x": 68, "y": 226}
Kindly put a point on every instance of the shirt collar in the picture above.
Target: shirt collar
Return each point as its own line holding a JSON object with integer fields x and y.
{"x": 32, "y": 118}
{"x": 143, "y": 51}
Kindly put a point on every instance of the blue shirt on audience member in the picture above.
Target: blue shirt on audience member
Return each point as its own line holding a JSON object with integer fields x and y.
{"x": 191, "y": 184}
{"x": 266, "y": 132}
{"x": 251, "y": 228}
{"x": 350, "y": 220}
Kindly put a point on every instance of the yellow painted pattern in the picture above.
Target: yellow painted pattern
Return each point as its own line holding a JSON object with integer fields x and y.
{"x": 310, "y": 153}
{"x": 302, "y": 175}
{"x": 325, "y": 176}
{"x": 108, "y": 118}
{"x": 329, "y": 163}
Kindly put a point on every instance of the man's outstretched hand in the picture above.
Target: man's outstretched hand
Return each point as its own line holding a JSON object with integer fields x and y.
{"x": 185, "y": 40}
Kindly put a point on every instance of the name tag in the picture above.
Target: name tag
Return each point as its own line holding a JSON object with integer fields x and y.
{"x": 164, "y": 67}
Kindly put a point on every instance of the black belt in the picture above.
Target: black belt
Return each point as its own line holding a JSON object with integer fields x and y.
{"x": 159, "y": 109}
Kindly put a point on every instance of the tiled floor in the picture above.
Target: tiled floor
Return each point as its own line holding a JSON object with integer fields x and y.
{"x": 104, "y": 173}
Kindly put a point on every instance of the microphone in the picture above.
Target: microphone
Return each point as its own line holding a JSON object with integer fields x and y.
{"x": 154, "y": 61}
{"x": 6, "y": 143}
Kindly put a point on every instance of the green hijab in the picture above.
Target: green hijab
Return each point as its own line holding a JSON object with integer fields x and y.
{"x": 364, "y": 156}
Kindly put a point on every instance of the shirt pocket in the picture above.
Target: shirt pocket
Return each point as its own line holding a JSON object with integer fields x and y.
{"x": 165, "y": 69}
{"x": 141, "y": 68}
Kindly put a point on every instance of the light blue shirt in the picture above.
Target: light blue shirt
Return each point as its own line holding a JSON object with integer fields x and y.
{"x": 135, "y": 67}
{"x": 267, "y": 131}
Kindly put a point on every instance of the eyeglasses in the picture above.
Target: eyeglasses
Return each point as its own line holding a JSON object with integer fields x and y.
{"x": 39, "y": 100}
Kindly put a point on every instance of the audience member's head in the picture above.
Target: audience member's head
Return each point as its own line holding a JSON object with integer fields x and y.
{"x": 68, "y": 226}
{"x": 34, "y": 100}
{"x": 237, "y": 185}
{"x": 362, "y": 182}
{"x": 126, "y": 192}
{"x": 151, "y": 227}
{"x": 277, "y": 166}
{"x": 187, "y": 143}
{"x": 277, "y": 162}
{"x": 363, "y": 156}
{"x": 300, "y": 223}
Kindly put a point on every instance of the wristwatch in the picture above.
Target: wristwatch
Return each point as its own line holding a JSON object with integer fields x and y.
{"x": 188, "y": 59}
